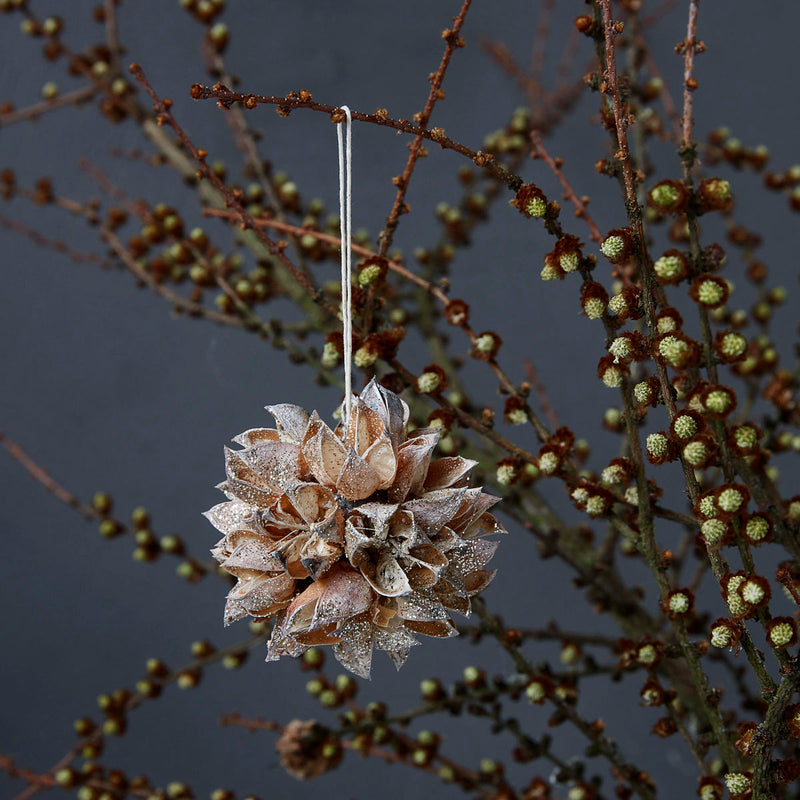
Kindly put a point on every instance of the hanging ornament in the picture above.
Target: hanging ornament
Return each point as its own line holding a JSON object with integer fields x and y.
{"x": 355, "y": 537}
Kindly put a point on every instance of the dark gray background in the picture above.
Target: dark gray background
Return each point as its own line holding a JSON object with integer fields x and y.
{"x": 109, "y": 392}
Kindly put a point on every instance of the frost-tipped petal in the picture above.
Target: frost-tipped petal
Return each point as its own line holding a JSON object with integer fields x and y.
{"x": 381, "y": 457}
{"x": 434, "y": 510}
{"x": 257, "y": 436}
{"x": 325, "y": 455}
{"x": 392, "y": 410}
{"x": 354, "y": 650}
{"x": 444, "y": 473}
{"x": 357, "y": 480}
{"x": 292, "y": 421}
{"x": 386, "y": 576}
{"x": 279, "y": 465}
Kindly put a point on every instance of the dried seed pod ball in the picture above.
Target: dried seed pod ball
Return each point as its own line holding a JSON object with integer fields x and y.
{"x": 355, "y": 538}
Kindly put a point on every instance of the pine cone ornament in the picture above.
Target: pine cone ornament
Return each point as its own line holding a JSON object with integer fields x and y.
{"x": 354, "y": 538}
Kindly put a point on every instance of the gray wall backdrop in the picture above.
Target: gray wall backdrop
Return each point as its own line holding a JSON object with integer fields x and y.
{"x": 109, "y": 392}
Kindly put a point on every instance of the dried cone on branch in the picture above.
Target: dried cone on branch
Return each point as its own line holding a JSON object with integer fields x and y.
{"x": 354, "y": 538}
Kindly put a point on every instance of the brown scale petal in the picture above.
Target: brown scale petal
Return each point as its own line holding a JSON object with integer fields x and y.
{"x": 292, "y": 421}
{"x": 485, "y": 525}
{"x": 278, "y": 465}
{"x": 389, "y": 407}
{"x": 229, "y": 516}
{"x": 444, "y": 473}
{"x": 363, "y": 428}
{"x": 354, "y": 648}
{"x": 314, "y": 503}
{"x": 386, "y": 576}
{"x": 381, "y": 458}
{"x": 421, "y": 607}
{"x": 288, "y": 555}
{"x": 471, "y": 555}
{"x": 443, "y": 629}
{"x": 357, "y": 480}
{"x": 256, "y": 436}
{"x": 318, "y": 556}
{"x": 281, "y": 645}
{"x": 434, "y": 510}
{"x": 413, "y": 459}
{"x": 323, "y": 452}
{"x": 477, "y": 581}
{"x": 397, "y": 642}
{"x": 456, "y": 602}
{"x": 476, "y": 502}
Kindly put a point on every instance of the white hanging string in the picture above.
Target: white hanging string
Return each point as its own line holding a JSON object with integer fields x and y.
{"x": 345, "y": 216}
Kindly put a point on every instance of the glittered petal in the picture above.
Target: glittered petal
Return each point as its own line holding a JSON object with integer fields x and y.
{"x": 318, "y": 556}
{"x": 442, "y": 629}
{"x": 413, "y": 459}
{"x": 477, "y": 581}
{"x": 421, "y": 607}
{"x": 287, "y": 554}
{"x": 476, "y": 502}
{"x": 313, "y": 502}
{"x": 387, "y": 576}
{"x": 471, "y": 556}
{"x": 252, "y": 553}
{"x": 391, "y": 409}
{"x": 363, "y": 427}
{"x": 257, "y": 436}
{"x": 380, "y": 456}
{"x": 434, "y": 510}
{"x": 325, "y": 455}
{"x": 456, "y": 602}
{"x": 292, "y": 421}
{"x": 396, "y": 642}
{"x": 420, "y": 577}
{"x": 485, "y": 525}
{"x": 262, "y": 590}
{"x": 378, "y": 515}
{"x": 357, "y": 479}
{"x": 429, "y": 556}
{"x": 345, "y": 595}
{"x": 234, "y": 611}
{"x": 229, "y": 516}
{"x": 244, "y": 483}
{"x": 282, "y": 645}
{"x": 278, "y": 464}
{"x": 354, "y": 540}
{"x": 444, "y": 473}
{"x": 301, "y": 610}
{"x": 354, "y": 651}
{"x": 248, "y": 493}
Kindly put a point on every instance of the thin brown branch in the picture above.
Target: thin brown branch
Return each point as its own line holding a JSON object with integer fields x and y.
{"x": 453, "y": 41}
{"x": 689, "y": 83}
{"x": 225, "y": 97}
{"x": 580, "y": 204}
{"x": 49, "y": 483}
{"x": 37, "y": 110}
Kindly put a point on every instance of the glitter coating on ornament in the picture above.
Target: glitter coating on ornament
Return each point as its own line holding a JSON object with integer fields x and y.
{"x": 355, "y": 538}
